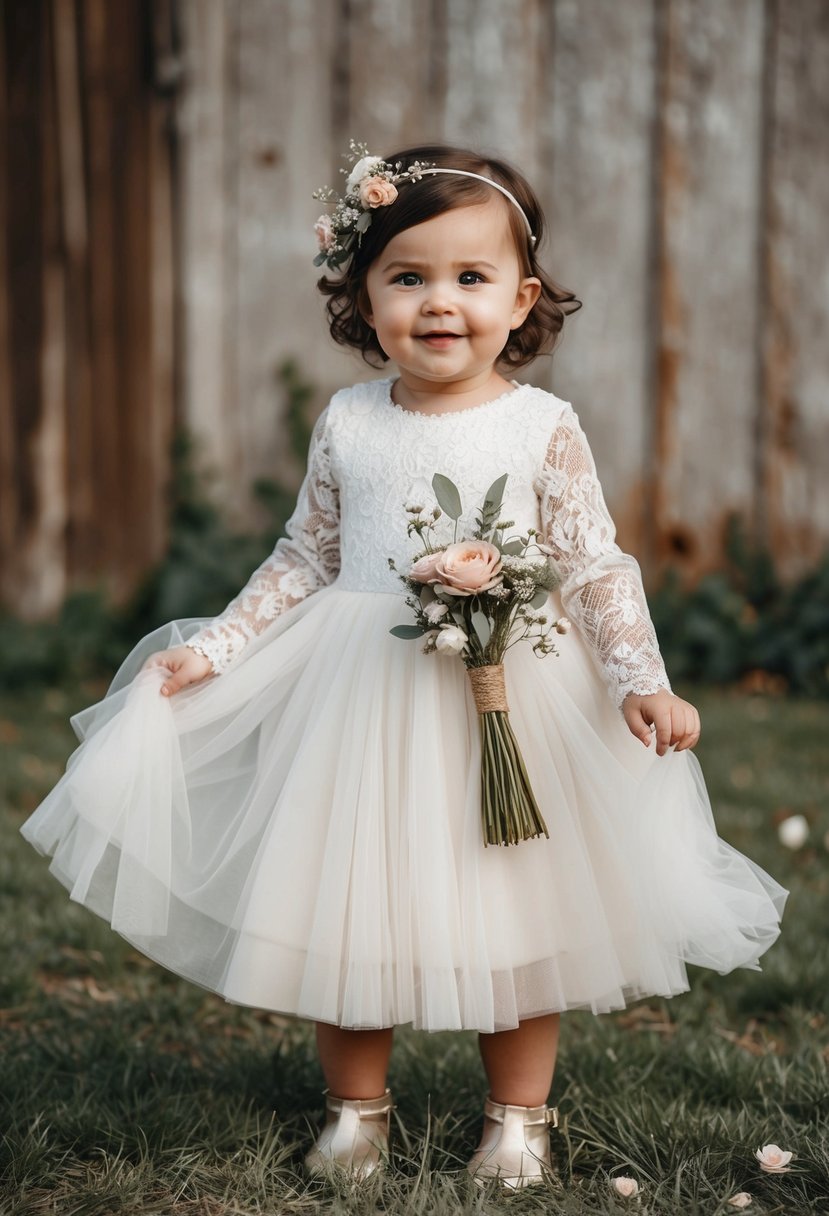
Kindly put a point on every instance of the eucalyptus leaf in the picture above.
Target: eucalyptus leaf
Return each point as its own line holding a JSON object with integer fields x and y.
{"x": 495, "y": 493}
{"x": 363, "y": 222}
{"x": 481, "y": 625}
{"x": 513, "y": 548}
{"x": 407, "y": 631}
{"x": 448, "y": 496}
{"x": 539, "y": 599}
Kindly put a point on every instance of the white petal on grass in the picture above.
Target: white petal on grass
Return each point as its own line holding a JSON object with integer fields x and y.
{"x": 628, "y": 1188}
{"x": 793, "y": 832}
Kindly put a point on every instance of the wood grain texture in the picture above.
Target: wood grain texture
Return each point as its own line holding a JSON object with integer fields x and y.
{"x": 794, "y": 458}
{"x": 600, "y": 215}
{"x": 705, "y": 399}
{"x": 87, "y": 285}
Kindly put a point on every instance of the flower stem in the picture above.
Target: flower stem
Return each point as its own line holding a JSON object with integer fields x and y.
{"x": 509, "y": 811}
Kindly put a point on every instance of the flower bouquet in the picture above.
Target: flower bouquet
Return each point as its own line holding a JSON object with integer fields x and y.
{"x": 476, "y": 597}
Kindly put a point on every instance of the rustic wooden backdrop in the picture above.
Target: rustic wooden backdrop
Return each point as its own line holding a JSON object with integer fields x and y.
{"x": 158, "y": 158}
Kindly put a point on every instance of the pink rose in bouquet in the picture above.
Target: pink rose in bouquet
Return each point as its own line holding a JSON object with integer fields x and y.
{"x": 425, "y": 569}
{"x": 469, "y": 567}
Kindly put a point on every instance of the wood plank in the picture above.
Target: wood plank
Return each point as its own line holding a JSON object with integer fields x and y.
{"x": 81, "y": 541}
{"x": 44, "y": 570}
{"x": 8, "y": 454}
{"x": 494, "y": 71}
{"x": 98, "y": 538}
{"x": 205, "y": 132}
{"x": 598, "y": 196}
{"x": 25, "y": 91}
{"x": 708, "y": 231}
{"x": 388, "y": 49}
{"x": 283, "y": 54}
{"x": 131, "y": 103}
{"x": 794, "y": 503}
{"x": 161, "y": 362}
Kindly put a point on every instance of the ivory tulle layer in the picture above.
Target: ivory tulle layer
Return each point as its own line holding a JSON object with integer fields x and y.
{"x": 302, "y": 833}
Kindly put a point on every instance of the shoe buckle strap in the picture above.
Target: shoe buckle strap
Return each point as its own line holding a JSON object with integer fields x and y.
{"x": 540, "y": 1114}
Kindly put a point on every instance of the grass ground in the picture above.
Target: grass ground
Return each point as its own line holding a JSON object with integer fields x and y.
{"x": 125, "y": 1090}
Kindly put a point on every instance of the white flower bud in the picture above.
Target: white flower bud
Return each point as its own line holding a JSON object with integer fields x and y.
{"x": 434, "y": 611}
{"x": 450, "y": 640}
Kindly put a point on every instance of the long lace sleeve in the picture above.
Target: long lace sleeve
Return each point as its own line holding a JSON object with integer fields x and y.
{"x": 601, "y": 586}
{"x": 303, "y": 561}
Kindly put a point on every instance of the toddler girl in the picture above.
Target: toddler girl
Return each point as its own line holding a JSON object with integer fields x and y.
{"x": 298, "y": 827}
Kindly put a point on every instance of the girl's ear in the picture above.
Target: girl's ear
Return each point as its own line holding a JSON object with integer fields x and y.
{"x": 529, "y": 290}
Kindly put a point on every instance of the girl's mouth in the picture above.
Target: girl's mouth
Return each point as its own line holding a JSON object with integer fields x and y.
{"x": 439, "y": 338}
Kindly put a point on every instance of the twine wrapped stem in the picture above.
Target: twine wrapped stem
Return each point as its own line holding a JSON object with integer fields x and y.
{"x": 489, "y": 688}
{"x": 509, "y": 811}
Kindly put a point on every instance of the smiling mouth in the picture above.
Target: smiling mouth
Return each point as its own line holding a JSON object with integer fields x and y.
{"x": 438, "y": 335}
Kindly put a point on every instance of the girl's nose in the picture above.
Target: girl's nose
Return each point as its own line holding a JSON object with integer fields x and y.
{"x": 438, "y": 300}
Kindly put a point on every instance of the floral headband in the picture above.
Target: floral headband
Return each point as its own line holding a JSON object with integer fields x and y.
{"x": 372, "y": 183}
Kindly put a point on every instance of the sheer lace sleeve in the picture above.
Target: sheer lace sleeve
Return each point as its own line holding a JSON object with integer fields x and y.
{"x": 307, "y": 558}
{"x": 601, "y": 586}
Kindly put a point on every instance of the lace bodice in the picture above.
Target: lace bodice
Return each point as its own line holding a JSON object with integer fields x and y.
{"x": 369, "y": 457}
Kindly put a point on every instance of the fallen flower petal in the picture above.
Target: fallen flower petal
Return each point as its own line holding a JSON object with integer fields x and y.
{"x": 773, "y": 1159}
{"x": 741, "y": 1200}
{"x": 628, "y": 1188}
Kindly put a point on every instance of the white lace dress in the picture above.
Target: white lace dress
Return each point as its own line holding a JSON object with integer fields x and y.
{"x": 301, "y": 831}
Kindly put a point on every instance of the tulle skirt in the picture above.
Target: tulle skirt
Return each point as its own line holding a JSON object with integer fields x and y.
{"x": 302, "y": 833}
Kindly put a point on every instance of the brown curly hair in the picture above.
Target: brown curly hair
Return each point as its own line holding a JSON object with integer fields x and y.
{"x": 423, "y": 200}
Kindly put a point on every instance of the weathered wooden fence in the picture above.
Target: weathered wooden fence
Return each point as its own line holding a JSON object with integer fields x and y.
{"x": 86, "y": 298}
{"x": 159, "y": 157}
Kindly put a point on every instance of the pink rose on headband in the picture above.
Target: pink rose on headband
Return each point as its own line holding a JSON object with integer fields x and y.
{"x": 377, "y": 192}
{"x": 469, "y": 567}
{"x": 425, "y": 569}
{"x": 325, "y": 233}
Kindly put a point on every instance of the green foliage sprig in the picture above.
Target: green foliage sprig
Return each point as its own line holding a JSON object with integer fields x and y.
{"x": 744, "y": 623}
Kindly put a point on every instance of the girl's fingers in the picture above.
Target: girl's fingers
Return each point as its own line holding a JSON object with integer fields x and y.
{"x": 695, "y": 730}
{"x": 679, "y": 724}
{"x": 689, "y": 735}
{"x": 176, "y": 681}
{"x": 638, "y": 726}
{"x": 664, "y": 732}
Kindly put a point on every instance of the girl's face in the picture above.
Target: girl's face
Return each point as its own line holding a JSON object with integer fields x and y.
{"x": 444, "y": 295}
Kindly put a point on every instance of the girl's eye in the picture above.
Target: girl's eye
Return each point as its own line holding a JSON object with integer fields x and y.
{"x": 408, "y": 279}
{"x": 469, "y": 277}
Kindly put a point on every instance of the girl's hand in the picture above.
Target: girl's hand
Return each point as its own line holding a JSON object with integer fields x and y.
{"x": 676, "y": 721}
{"x": 185, "y": 665}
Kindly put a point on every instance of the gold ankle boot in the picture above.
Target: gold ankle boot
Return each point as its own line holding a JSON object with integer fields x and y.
{"x": 515, "y": 1145}
{"x": 355, "y": 1137}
